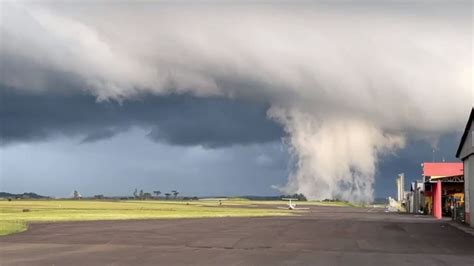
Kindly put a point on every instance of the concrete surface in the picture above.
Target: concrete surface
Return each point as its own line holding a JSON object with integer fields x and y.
{"x": 322, "y": 236}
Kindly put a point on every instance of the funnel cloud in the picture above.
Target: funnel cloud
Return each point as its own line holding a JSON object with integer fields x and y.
{"x": 347, "y": 82}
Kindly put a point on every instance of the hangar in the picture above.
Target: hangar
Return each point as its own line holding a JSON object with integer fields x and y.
{"x": 443, "y": 182}
{"x": 465, "y": 152}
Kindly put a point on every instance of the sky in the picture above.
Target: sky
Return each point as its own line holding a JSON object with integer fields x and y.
{"x": 328, "y": 99}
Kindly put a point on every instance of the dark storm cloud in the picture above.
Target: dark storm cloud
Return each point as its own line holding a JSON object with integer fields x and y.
{"x": 100, "y": 135}
{"x": 174, "y": 119}
{"x": 349, "y": 83}
{"x": 409, "y": 160}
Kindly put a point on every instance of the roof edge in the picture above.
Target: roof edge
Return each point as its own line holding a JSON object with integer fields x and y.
{"x": 466, "y": 132}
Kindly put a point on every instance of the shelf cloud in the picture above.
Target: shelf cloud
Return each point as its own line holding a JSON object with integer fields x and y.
{"x": 345, "y": 82}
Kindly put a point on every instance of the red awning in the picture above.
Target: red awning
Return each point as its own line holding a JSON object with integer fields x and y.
{"x": 443, "y": 169}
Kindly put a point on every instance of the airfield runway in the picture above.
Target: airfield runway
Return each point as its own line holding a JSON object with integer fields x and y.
{"x": 323, "y": 236}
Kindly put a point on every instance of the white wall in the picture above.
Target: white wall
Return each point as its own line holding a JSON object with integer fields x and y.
{"x": 469, "y": 186}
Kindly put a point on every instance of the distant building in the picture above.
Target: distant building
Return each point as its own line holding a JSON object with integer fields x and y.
{"x": 415, "y": 198}
{"x": 401, "y": 187}
{"x": 465, "y": 152}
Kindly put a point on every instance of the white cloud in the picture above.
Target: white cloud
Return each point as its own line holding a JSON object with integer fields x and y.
{"x": 347, "y": 81}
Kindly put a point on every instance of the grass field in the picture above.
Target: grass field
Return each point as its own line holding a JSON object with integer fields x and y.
{"x": 259, "y": 203}
{"x": 14, "y": 219}
{"x": 16, "y": 215}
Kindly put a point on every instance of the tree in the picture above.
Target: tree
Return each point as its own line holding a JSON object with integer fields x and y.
{"x": 297, "y": 196}
{"x": 135, "y": 193}
{"x": 303, "y": 197}
{"x": 146, "y": 195}
{"x": 300, "y": 197}
{"x": 167, "y": 195}
{"x": 157, "y": 193}
{"x": 76, "y": 194}
{"x": 140, "y": 194}
{"x": 175, "y": 193}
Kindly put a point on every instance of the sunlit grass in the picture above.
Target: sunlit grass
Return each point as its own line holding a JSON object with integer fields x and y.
{"x": 11, "y": 227}
{"x": 15, "y": 215}
{"x": 250, "y": 203}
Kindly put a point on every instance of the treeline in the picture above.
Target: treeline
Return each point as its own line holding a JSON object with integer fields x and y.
{"x": 298, "y": 196}
{"x": 26, "y": 195}
{"x": 142, "y": 195}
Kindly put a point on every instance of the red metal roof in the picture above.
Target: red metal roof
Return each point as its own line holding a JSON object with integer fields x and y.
{"x": 443, "y": 169}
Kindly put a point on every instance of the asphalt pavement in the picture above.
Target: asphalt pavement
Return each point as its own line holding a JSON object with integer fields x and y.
{"x": 321, "y": 236}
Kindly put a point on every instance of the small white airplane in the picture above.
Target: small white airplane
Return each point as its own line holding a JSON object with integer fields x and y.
{"x": 291, "y": 205}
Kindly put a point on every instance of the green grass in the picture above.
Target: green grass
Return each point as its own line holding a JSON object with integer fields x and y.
{"x": 13, "y": 219}
{"x": 11, "y": 227}
{"x": 250, "y": 203}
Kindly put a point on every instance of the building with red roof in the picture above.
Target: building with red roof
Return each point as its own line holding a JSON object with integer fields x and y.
{"x": 444, "y": 186}
{"x": 442, "y": 170}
